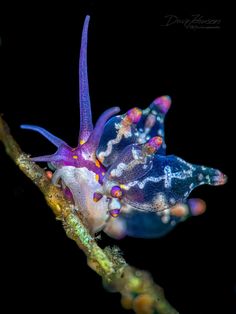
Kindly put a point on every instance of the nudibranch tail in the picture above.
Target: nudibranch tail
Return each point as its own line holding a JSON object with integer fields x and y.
{"x": 86, "y": 125}
{"x": 52, "y": 138}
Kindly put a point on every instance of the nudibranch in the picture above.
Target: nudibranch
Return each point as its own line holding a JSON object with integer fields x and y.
{"x": 119, "y": 176}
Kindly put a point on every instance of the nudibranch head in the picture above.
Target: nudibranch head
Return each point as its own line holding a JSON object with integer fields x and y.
{"x": 120, "y": 169}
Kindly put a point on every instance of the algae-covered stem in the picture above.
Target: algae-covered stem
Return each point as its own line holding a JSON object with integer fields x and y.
{"x": 54, "y": 196}
{"x": 137, "y": 288}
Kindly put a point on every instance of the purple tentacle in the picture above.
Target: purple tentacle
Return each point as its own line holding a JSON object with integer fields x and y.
{"x": 86, "y": 125}
{"x": 96, "y": 135}
{"x": 46, "y": 158}
{"x": 52, "y": 138}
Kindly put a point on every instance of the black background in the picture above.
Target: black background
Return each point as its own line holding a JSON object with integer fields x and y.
{"x": 132, "y": 59}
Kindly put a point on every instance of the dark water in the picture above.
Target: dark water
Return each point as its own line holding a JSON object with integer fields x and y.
{"x": 132, "y": 59}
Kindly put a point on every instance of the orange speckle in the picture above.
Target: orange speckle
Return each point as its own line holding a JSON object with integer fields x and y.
{"x": 97, "y": 163}
{"x": 127, "y": 302}
{"x": 179, "y": 210}
{"x": 49, "y": 174}
{"x": 144, "y": 304}
{"x": 82, "y": 142}
{"x": 103, "y": 173}
{"x": 97, "y": 196}
{"x": 97, "y": 177}
{"x": 159, "y": 140}
{"x": 115, "y": 215}
{"x": 134, "y": 115}
{"x": 75, "y": 157}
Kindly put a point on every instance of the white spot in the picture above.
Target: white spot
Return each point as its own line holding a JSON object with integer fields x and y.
{"x": 200, "y": 177}
{"x": 146, "y": 111}
{"x": 159, "y": 119}
{"x": 165, "y": 219}
{"x": 208, "y": 179}
{"x": 135, "y": 153}
{"x": 172, "y": 200}
{"x": 191, "y": 186}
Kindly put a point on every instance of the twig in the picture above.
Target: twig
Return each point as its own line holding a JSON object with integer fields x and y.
{"x": 136, "y": 287}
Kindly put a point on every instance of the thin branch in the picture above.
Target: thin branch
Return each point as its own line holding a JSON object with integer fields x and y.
{"x": 137, "y": 289}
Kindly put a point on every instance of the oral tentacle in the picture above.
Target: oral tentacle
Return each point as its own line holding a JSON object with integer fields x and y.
{"x": 86, "y": 125}
{"x": 60, "y": 158}
{"x": 45, "y": 158}
{"x": 52, "y": 138}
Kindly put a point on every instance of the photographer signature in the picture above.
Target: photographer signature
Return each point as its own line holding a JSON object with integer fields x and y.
{"x": 195, "y": 21}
